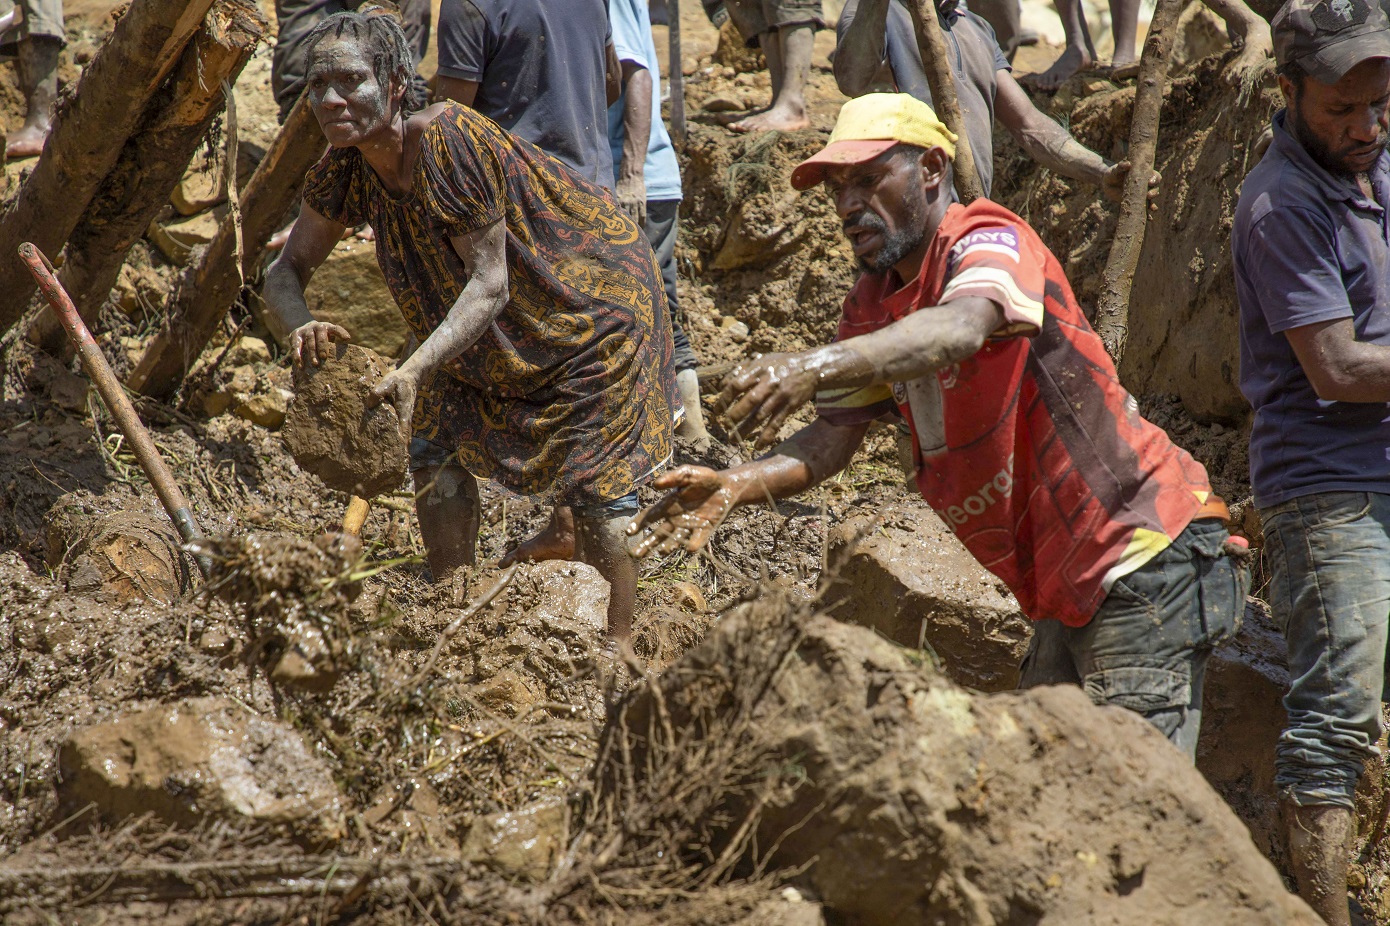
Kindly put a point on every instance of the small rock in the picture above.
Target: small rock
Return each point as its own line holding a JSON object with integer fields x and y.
{"x": 267, "y": 409}
{"x": 349, "y": 290}
{"x": 520, "y": 844}
{"x": 723, "y": 104}
{"x": 202, "y": 759}
{"x": 248, "y": 350}
{"x": 176, "y": 239}
{"x": 570, "y": 591}
{"x": 735, "y": 329}
{"x": 215, "y": 642}
{"x": 204, "y": 183}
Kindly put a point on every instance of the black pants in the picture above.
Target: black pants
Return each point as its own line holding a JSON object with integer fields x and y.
{"x": 663, "y": 220}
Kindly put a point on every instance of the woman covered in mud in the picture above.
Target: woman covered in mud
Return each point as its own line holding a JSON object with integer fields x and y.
{"x": 543, "y": 360}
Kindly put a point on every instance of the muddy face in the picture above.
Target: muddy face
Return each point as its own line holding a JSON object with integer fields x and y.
{"x": 1343, "y": 125}
{"x": 883, "y": 205}
{"x": 348, "y": 99}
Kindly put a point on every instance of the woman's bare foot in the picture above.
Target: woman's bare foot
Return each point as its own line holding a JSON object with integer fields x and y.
{"x": 1074, "y": 60}
{"x": 777, "y": 119}
{"x": 26, "y": 143}
{"x": 556, "y": 541}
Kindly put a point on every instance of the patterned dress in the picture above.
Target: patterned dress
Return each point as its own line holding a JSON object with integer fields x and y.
{"x": 571, "y": 391}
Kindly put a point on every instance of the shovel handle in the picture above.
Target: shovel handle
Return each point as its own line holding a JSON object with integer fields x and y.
{"x": 113, "y": 394}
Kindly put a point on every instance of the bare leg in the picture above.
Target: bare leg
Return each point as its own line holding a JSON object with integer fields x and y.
{"x": 38, "y": 79}
{"x": 603, "y": 545}
{"x": 448, "y": 508}
{"x": 1319, "y": 839}
{"x": 788, "y": 112}
{"x": 1248, "y": 32}
{"x": 556, "y": 541}
{"x": 693, "y": 427}
{"x": 1079, "y": 55}
{"x": 1124, "y": 27}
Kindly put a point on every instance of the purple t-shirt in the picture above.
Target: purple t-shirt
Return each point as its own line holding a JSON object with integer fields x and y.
{"x": 1309, "y": 247}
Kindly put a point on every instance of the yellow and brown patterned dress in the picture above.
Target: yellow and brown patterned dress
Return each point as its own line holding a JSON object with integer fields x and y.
{"x": 572, "y": 390}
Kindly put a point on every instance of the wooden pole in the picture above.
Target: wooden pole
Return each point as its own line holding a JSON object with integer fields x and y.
{"x": 1112, "y": 313}
{"x": 936, "y": 61}
{"x": 94, "y": 362}
{"x": 152, "y": 162}
{"x": 210, "y": 287}
{"x": 90, "y": 129}
{"x": 676, "y": 78}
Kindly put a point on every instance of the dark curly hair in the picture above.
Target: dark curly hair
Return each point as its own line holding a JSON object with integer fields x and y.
{"x": 378, "y": 30}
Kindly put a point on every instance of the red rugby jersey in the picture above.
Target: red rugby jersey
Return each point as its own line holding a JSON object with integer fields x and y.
{"x": 1030, "y": 450}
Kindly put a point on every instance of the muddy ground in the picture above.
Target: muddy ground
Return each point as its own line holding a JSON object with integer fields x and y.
{"x": 318, "y": 734}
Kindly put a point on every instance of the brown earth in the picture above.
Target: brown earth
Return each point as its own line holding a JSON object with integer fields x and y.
{"x": 459, "y": 743}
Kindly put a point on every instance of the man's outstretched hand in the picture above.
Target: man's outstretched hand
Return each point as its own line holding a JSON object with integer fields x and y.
{"x": 760, "y": 393}
{"x": 699, "y": 500}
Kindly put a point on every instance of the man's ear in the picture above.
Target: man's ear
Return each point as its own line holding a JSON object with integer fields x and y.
{"x": 1287, "y": 88}
{"x": 935, "y": 167}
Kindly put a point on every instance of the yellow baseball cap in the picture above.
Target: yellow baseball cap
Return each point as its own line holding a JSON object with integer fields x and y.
{"x": 868, "y": 126}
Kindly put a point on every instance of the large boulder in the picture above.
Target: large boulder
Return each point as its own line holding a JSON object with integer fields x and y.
{"x": 903, "y": 798}
{"x": 348, "y": 289}
{"x": 904, "y": 574}
{"x": 198, "y": 760}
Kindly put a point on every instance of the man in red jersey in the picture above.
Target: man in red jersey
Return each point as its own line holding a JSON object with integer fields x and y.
{"x": 1026, "y": 444}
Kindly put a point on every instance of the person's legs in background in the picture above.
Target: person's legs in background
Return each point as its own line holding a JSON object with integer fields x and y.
{"x": 1328, "y": 556}
{"x": 1080, "y": 53}
{"x": 1124, "y": 29}
{"x": 448, "y": 507}
{"x": 786, "y": 30}
{"x": 40, "y": 39}
{"x": 1003, "y": 18}
{"x": 602, "y": 543}
{"x": 663, "y": 223}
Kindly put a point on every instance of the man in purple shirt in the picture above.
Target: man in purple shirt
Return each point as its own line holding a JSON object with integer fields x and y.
{"x": 1311, "y": 247}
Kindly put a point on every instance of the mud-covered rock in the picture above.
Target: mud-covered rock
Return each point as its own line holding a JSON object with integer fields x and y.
{"x": 908, "y": 799}
{"x": 522, "y": 843}
{"x": 905, "y": 575}
{"x": 108, "y": 549}
{"x": 349, "y": 290}
{"x": 199, "y": 760}
{"x": 330, "y": 431}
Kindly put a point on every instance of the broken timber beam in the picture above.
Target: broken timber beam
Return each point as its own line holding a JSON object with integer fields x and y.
{"x": 1112, "y": 311}
{"x": 152, "y": 162}
{"x": 90, "y": 128}
{"x": 936, "y": 61}
{"x": 210, "y": 287}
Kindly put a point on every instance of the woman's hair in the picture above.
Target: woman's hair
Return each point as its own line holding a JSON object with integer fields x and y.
{"x": 379, "y": 32}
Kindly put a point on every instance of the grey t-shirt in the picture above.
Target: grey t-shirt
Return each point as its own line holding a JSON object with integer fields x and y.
{"x": 976, "y": 60}
{"x": 1310, "y": 247}
{"x": 539, "y": 65}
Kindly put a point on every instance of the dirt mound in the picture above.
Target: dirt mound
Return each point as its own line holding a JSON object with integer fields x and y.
{"x": 332, "y": 433}
{"x": 770, "y": 257}
{"x": 787, "y": 739}
{"x": 1183, "y": 331}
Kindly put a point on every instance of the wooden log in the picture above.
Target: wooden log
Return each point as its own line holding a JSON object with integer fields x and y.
{"x": 152, "y": 162}
{"x": 90, "y": 129}
{"x": 1112, "y": 312}
{"x": 936, "y": 61}
{"x": 210, "y": 287}
{"x": 675, "y": 77}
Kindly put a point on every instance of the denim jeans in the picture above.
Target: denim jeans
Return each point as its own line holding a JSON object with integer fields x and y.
{"x": 1329, "y": 564}
{"x": 1147, "y": 647}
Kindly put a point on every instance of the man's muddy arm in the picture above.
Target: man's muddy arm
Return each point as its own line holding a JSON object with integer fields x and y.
{"x": 312, "y": 238}
{"x": 1043, "y": 139}
{"x": 1341, "y": 368}
{"x": 759, "y": 394}
{"x": 699, "y": 499}
{"x": 861, "y": 56}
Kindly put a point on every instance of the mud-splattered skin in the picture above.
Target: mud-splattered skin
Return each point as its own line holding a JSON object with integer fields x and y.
{"x": 350, "y": 103}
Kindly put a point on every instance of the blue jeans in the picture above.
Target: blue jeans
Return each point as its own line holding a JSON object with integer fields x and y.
{"x": 1329, "y": 565}
{"x": 1147, "y": 647}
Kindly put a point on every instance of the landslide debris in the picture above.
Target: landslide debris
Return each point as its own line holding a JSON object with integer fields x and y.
{"x": 789, "y": 740}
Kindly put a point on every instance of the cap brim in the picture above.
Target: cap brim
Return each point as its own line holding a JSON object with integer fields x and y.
{"x": 1329, "y": 65}
{"x": 836, "y": 154}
